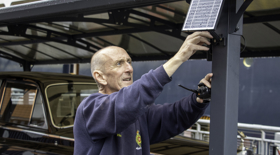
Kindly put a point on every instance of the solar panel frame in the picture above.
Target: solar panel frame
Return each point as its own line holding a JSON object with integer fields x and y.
{"x": 203, "y": 23}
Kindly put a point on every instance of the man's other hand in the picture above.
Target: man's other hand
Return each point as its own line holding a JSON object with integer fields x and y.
{"x": 207, "y": 81}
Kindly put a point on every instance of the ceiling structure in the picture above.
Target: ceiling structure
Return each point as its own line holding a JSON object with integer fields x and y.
{"x": 71, "y": 31}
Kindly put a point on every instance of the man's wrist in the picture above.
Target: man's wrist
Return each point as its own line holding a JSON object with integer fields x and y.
{"x": 172, "y": 65}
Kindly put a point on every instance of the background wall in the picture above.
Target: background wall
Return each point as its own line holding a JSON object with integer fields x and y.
{"x": 259, "y": 86}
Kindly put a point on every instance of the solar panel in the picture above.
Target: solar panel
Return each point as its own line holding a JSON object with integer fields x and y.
{"x": 202, "y": 15}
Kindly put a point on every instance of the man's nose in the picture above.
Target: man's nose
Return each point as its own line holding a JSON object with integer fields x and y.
{"x": 129, "y": 67}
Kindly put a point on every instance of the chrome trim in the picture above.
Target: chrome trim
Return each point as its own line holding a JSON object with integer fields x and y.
{"x": 3, "y": 94}
{"x": 45, "y": 126}
{"x": 38, "y": 133}
{"x": 63, "y": 127}
{"x": 31, "y": 113}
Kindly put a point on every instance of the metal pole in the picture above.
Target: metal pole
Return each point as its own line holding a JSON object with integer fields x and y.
{"x": 198, "y": 129}
{"x": 263, "y": 143}
{"x": 26, "y": 66}
{"x": 225, "y": 87}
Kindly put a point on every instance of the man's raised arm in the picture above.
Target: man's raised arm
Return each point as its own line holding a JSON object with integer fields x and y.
{"x": 193, "y": 43}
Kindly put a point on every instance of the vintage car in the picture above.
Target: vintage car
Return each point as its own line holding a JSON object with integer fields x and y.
{"x": 38, "y": 111}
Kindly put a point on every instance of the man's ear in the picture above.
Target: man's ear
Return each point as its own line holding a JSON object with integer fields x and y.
{"x": 99, "y": 77}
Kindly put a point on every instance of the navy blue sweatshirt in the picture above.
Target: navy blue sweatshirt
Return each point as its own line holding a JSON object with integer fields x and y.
{"x": 127, "y": 122}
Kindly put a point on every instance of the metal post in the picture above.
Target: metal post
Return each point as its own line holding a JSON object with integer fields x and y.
{"x": 198, "y": 129}
{"x": 76, "y": 68}
{"x": 263, "y": 150}
{"x": 259, "y": 147}
{"x": 66, "y": 68}
{"x": 26, "y": 66}
{"x": 225, "y": 87}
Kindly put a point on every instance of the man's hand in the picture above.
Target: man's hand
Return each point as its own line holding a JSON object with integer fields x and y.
{"x": 193, "y": 43}
{"x": 207, "y": 81}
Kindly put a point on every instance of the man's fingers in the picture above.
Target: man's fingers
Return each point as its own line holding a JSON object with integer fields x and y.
{"x": 200, "y": 33}
{"x": 209, "y": 76}
{"x": 207, "y": 83}
{"x": 199, "y": 48}
{"x": 207, "y": 80}
{"x": 192, "y": 44}
{"x": 199, "y": 40}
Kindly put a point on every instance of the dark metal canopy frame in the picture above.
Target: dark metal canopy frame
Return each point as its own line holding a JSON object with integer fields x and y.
{"x": 31, "y": 27}
{"x": 26, "y": 28}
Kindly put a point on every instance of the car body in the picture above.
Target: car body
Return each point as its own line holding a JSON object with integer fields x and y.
{"x": 38, "y": 110}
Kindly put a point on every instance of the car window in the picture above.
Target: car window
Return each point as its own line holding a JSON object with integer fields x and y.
{"x": 18, "y": 103}
{"x": 38, "y": 115}
{"x": 64, "y": 99}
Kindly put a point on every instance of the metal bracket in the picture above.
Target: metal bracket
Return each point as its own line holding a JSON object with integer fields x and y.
{"x": 218, "y": 40}
{"x": 17, "y": 30}
{"x": 119, "y": 16}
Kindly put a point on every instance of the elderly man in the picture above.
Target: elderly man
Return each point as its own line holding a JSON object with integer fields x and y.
{"x": 121, "y": 119}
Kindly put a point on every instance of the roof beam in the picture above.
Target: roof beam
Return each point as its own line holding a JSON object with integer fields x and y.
{"x": 44, "y": 9}
{"x": 261, "y": 19}
{"x": 265, "y": 23}
{"x": 61, "y": 50}
{"x": 120, "y": 17}
{"x": 84, "y": 35}
{"x": 198, "y": 55}
{"x": 139, "y": 29}
{"x": 11, "y": 57}
{"x": 171, "y": 10}
{"x": 70, "y": 40}
{"x": 20, "y": 54}
{"x": 152, "y": 57}
{"x": 273, "y": 52}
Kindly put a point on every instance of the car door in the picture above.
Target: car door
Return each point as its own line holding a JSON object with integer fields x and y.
{"x": 23, "y": 125}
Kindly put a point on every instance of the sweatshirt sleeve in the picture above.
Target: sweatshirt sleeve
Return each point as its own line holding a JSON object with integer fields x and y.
{"x": 110, "y": 114}
{"x": 168, "y": 120}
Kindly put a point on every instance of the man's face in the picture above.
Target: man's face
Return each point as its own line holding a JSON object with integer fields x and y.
{"x": 118, "y": 70}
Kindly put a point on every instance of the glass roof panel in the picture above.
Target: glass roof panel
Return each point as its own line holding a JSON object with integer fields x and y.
{"x": 259, "y": 35}
{"x": 150, "y": 11}
{"x": 136, "y": 19}
{"x": 276, "y": 24}
{"x": 5, "y": 28}
{"x": 138, "y": 47}
{"x": 180, "y": 6}
{"x": 7, "y": 38}
{"x": 24, "y": 52}
{"x": 87, "y": 26}
{"x": 98, "y": 16}
{"x": 7, "y": 3}
{"x": 262, "y": 5}
{"x": 113, "y": 39}
{"x": 14, "y": 53}
{"x": 161, "y": 41}
{"x": 175, "y": 11}
{"x": 64, "y": 27}
{"x": 63, "y": 51}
